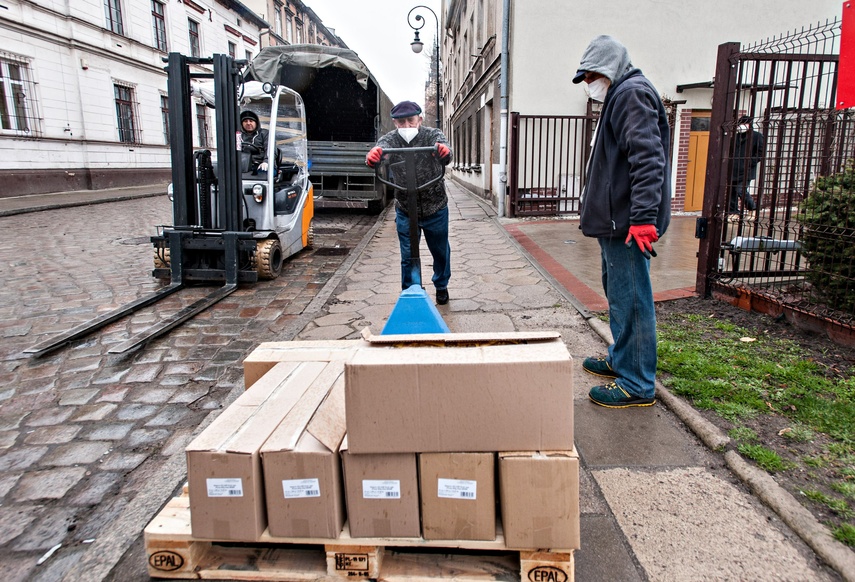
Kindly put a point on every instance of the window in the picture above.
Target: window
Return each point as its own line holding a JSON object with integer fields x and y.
{"x": 202, "y": 125}
{"x": 125, "y": 113}
{"x": 277, "y": 22}
{"x": 289, "y": 25}
{"x": 16, "y": 97}
{"x": 159, "y": 23}
{"x": 232, "y": 50}
{"x": 193, "y": 28}
{"x": 299, "y": 31}
{"x": 164, "y": 114}
{"x": 248, "y": 55}
{"x": 113, "y": 11}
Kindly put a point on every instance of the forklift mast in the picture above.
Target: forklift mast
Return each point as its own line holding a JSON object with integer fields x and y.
{"x": 226, "y": 77}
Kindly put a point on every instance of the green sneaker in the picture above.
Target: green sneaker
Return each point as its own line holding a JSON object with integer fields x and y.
{"x": 599, "y": 367}
{"x": 613, "y": 396}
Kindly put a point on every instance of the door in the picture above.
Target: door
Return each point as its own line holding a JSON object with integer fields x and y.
{"x": 696, "y": 169}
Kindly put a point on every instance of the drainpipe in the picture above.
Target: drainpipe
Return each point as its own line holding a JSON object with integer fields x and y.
{"x": 503, "y": 123}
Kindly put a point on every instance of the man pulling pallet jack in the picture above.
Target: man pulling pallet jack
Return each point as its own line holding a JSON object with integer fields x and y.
{"x": 417, "y": 155}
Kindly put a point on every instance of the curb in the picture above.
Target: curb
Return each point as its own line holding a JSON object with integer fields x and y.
{"x": 789, "y": 510}
{"x": 58, "y": 205}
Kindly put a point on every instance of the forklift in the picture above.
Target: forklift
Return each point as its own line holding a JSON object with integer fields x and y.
{"x": 231, "y": 223}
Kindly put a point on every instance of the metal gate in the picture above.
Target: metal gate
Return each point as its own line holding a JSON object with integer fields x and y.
{"x": 786, "y": 87}
{"x": 548, "y": 157}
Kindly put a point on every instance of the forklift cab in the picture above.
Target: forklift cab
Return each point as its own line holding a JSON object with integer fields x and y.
{"x": 271, "y": 198}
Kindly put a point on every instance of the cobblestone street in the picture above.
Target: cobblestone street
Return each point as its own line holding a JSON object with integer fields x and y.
{"x": 83, "y": 432}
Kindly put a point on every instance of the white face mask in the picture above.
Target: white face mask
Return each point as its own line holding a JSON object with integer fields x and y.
{"x": 597, "y": 90}
{"x": 742, "y": 128}
{"x": 408, "y": 133}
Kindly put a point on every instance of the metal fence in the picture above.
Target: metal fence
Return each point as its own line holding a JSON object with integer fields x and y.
{"x": 548, "y": 157}
{"x": 759, "y": 235}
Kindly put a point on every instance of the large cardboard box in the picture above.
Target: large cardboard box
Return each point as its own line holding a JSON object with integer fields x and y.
{"x": 268, "y": 354}
{"x": 458, "y": 492}
{"x": 224, "y": 470}
{"x": 539, "y": 498}
{"x": 460, "y": 392}
{"x": 302, "y": 470}
{"x": 382, "y": 493}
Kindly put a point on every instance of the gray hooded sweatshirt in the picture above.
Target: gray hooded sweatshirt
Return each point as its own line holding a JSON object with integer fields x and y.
{"x": 628, "y": 180}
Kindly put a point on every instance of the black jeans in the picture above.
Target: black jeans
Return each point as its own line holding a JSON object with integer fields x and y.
{"x": 740, "y": 190}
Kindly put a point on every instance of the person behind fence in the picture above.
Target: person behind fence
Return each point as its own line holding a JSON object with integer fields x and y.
{"x": 748, "y": 148}
{"x": 626, "y": 206}
{"x": 433, "y": 202}
{"x": 253, "y": 141}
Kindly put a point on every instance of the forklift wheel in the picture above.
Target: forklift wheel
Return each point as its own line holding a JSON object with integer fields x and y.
{"x": 310, "y": 235}
{"x": 161, "y": 257}
{"x": 269, "y": 258}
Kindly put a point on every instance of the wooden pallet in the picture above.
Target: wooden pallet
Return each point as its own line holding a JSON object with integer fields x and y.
{"x": 172, "y": 552}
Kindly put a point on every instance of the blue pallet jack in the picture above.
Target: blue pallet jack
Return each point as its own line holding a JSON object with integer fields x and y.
{"x": 414, "y": 312}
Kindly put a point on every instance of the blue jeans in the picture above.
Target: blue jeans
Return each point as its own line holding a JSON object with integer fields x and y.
{"x": 435, "y": 228}
{"x": 632, "y": 317}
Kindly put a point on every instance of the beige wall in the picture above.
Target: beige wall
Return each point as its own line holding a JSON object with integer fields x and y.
{"x": 672, "y": 41}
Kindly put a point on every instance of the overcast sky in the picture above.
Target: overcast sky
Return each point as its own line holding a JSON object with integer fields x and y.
{"x": 378, "y": 31}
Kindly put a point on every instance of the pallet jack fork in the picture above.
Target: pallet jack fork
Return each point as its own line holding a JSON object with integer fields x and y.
{"x": 203, "y": 226}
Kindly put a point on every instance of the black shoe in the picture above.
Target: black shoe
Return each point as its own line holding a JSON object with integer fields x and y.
{"x": 441, "y": 296}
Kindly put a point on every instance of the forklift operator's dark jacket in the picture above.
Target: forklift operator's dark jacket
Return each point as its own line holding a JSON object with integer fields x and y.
{"x": 258, "y": 139}
{"x": 428, "y": 167}
{"x": 628, "y": 177}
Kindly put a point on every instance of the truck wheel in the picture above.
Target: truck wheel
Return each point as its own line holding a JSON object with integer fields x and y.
{"x": 310, "y": 235}
{"x": 269, "y": 258}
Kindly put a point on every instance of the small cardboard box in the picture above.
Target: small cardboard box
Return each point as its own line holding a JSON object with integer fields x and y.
{"x": 539, "y": 498}
{"x": 382, "y": 493}
{"x": 460, "y": 392}
{"x": 224, "y": 470}
{"x": 302, "y": 470}
{"x": 458, "y": 492}
{"x": 268, "y": 354}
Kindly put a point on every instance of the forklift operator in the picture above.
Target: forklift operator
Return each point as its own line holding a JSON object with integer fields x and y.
{"x": 253, "y": 141}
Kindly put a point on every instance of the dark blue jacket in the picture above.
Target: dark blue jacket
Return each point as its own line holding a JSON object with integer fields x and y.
{"x": 628, "y": 179}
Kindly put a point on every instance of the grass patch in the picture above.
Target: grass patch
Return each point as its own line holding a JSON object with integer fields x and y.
{"x": 838, "y": 506}
{"x": 845, "y": 488}
{"x": 766, "y": 459}
{"x": 743, "y": 434}
{"x": 845, "y": 533}
{"x": 707, "y": 361}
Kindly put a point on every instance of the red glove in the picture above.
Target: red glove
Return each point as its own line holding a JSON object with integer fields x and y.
{"x": 645, "y": 235}
{"x": 373, "y": 157}
{"x": 444, "y": 152}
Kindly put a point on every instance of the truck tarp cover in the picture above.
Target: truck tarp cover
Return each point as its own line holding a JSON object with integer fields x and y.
{"x": 270, "y": 61}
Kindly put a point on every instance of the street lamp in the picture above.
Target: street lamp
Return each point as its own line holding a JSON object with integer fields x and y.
{"x": 417, "y": 45}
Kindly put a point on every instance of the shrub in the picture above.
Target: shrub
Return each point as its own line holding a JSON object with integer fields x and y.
{"x": 827, "y": 216}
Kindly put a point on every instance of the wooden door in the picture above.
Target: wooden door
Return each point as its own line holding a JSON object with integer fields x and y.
{"x": 696, "y": 169}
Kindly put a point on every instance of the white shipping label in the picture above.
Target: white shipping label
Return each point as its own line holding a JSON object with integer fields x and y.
{"x": 298, "y": 488}
{"x": 225, "y": 487}
{"x": 372, "y": 489}
{"x": 456, "y": 489}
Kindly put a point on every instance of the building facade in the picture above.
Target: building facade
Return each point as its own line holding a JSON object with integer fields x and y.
{"x": 674, "y": 44}
{"x": 292, "y": 22}
{"x": 83, "y": 100}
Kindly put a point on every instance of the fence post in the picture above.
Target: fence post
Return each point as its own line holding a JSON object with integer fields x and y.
{"x": 514, "y": 166}
{"x": 716, "y": 182}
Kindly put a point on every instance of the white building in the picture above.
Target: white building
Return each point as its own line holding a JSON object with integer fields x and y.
{"x": 83, "y": 88}
{"x": 674, "y": 43}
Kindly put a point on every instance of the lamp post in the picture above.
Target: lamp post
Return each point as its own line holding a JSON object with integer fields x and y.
{"x": 417, "y": 45}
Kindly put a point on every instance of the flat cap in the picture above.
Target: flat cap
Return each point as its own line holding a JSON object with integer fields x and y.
{"x": 406, "y": 109}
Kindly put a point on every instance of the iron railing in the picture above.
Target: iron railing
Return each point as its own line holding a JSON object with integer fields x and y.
{"x": 786, "y": 86}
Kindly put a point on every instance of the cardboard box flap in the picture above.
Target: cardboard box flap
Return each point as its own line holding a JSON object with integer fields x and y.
{"x": 286, "y": 435}
{"x": 457, "y": 339}
{"x": 210, "y": 439}
{"x": 306, "y": 350}
{"x": 329, "y": 424}
{"x": 502, "y": 354}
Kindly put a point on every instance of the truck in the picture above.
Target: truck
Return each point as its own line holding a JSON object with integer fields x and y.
{"x": 346, "y": 112}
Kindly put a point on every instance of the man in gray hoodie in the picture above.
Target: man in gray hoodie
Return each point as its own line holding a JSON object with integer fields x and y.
{"x": 626, "y": 206}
